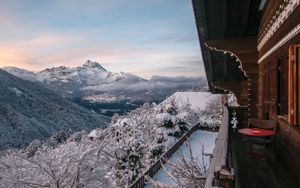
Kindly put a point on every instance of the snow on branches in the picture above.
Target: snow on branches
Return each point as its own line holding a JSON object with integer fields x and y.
{"x": 111, "y": 157}
{"x": 72, "y": 164}
{"x": 188, "y": 170}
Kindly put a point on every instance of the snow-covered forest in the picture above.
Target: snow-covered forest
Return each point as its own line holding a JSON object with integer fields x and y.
{"x": 111, "y": 157}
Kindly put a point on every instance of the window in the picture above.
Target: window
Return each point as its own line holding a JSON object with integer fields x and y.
{"x": 293, "y": 85}
{"x": 283, "y": 86}
{"x": 270, "y": 87}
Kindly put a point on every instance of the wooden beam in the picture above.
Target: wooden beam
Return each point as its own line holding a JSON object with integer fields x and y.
{"x": 240, "y": 47}
{"x": 225, "y": 17}
{"x": 240, "y": 44}
{"x": 246, "y": 9}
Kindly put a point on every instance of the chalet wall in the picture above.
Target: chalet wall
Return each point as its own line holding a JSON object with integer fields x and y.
{"x": 286, "y": 27}
{"x": 287, "y": 136}
{"x": 288, "y": 146}
{"x": 260, "y": 105}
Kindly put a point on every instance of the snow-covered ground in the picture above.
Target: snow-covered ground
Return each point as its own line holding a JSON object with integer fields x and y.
{"x": 196, "y": 141}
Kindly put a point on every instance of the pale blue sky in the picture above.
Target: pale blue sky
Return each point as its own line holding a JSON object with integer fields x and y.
{"x": 145, "y": 37}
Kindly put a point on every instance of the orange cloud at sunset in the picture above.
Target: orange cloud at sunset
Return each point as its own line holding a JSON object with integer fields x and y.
{"x": 24, "y": 53}
{"x": 9, "y": 57}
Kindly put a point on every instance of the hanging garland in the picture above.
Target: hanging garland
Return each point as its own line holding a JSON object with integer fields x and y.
{"x": 237, "y": 59}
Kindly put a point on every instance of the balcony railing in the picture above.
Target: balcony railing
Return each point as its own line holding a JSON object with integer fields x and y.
{"x": 219, "y": 172}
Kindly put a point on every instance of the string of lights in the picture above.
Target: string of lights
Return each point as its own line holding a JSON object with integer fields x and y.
{"x": 237, "y": 59}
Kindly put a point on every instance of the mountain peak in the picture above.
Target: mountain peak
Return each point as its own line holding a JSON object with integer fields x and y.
{"x": 56, "y": 69}
{"x": 93, "y": 64}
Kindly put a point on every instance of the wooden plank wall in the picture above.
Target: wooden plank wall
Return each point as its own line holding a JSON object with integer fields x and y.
{"x": 287, "y": 136}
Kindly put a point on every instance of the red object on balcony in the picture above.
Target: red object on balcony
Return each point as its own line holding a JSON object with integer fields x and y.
{"x": 256, "y": 132}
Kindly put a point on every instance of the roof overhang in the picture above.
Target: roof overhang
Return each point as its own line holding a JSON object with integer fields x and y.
{"x": 230, "y": 28}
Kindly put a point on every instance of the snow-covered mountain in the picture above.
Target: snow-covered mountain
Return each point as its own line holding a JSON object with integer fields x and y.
{"x": 90, "y": 74}
{"x": 92, "y": 86}
{"x": 30, "y": 111}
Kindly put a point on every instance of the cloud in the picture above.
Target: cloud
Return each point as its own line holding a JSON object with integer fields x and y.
{"x": 21, "y": 73}
{"x": 27, "y": 53}
{"x": 131, "y": 83}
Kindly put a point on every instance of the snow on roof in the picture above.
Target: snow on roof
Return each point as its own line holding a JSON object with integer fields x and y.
{"x": 197, "y": 100}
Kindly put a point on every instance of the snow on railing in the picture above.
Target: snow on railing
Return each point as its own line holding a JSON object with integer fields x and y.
{"x": 218, "y": 168}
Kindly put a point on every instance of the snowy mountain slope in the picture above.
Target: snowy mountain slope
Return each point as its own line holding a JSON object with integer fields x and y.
{"x": 29, "y": 111}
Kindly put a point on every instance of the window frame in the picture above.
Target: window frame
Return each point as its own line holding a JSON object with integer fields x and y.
{"x": 293, "y": 85}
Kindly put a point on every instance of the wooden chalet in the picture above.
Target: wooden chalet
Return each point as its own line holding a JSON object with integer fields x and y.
{"x": 252, "y": 49}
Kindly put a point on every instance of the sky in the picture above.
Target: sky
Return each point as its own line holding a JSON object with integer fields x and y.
{"x": 144, "y": 37}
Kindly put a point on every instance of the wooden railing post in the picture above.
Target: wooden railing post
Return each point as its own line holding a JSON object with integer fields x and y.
{"x": 225, "y": 177}
{"x": 219, "y": 174}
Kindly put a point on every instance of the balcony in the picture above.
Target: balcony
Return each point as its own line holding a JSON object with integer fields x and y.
{"x": 232, "y": 166}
